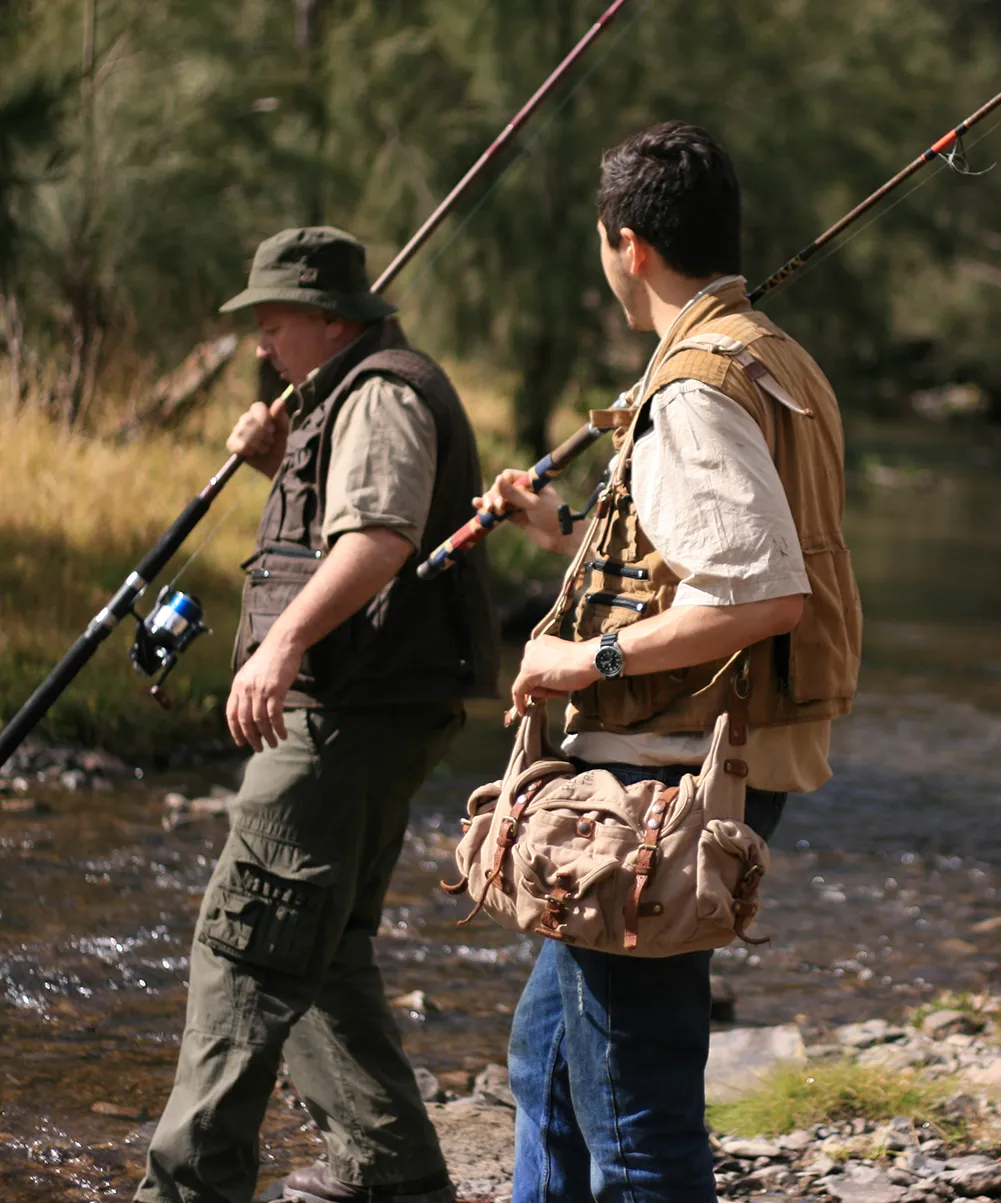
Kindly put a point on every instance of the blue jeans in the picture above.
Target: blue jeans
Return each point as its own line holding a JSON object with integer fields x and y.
{"x": 607, "y": 1063}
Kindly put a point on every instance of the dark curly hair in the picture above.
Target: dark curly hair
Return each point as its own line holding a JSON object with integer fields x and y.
{"x": 678, "y": 190}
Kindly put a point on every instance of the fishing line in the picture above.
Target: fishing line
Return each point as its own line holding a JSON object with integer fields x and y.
{"x": 524, "y": 151}
{"x": 839, "y": 244}
{"x": 208, "y": 539}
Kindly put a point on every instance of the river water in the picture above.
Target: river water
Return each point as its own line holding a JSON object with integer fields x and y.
{"x": 880, "y": 886}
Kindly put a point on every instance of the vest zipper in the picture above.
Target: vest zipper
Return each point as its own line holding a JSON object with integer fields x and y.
{"x": 291, "y": 549}
{"x": 606, "y": 598}
{"x": 615, "y": 568}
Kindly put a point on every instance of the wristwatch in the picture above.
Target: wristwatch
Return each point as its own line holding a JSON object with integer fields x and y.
{"x": 608, "y": 659}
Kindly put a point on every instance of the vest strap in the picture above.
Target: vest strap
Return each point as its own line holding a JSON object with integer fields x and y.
{"x": 646, "y": 863}
{"x": 757, "y": 373}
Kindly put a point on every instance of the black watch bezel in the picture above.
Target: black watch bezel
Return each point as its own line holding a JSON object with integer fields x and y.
{"x": 608, "y": 659}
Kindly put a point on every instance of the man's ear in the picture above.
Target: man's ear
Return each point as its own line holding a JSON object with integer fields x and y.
{"x": 636, "y": 251}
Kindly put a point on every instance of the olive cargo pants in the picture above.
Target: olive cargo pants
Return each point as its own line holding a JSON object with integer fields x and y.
{"x": 282, "y": 958}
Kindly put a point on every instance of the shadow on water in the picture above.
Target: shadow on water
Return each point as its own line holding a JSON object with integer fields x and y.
{"x": 881, "y": 886}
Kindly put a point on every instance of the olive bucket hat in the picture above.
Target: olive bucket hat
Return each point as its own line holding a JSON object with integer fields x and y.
{"x": 318, "y": 265}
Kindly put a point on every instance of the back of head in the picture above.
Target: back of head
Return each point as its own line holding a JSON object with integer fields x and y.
{"x": 677, "y": 189}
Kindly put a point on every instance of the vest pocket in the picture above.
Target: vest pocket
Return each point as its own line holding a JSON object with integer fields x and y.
{"x": 630, "y": 701}
{"x": 825, "y": 645}
{"x": 604, "y": 610}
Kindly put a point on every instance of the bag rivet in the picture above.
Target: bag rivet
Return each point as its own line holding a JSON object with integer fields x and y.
{"x": 585, "y": 827}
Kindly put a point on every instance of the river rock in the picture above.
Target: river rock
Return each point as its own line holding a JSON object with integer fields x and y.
{"x": 987, "y": 927}
{"x": 428, "y": 1085}
{"x": 724, "y": 1000}
{"x": 973, "y": 1181}
{"x": 822, "y": 1167}
{"x": 739, "y": 1059}
{"x": 920, "y": 1164}
{"x": 751, "y": 1150}
{"x": 870, "y": 1032}
{"x": 940, "y": 1024}
{"x": 797, "y": 1141}
{"x": 120, "y": 1111}
{"x": 478, "y": 1143}
{"x": 475, "y": 1189}
{"x": 863, "y": 1184}
{"x": 459, "y": 1081}
{"x": 892, "y": 1057}
{"x": 96, "y": 760}
{"x": 419, "y": 1004}
{"x": 894, "y": 1140}
{"x": 23, "y": 806}
{"x": 493, "y": 1087}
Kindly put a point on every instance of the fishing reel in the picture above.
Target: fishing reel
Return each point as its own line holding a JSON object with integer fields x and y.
{"x": 169, "y": 629}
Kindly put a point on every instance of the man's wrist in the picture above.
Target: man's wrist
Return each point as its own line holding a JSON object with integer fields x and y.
{"x": 286, "y": 639}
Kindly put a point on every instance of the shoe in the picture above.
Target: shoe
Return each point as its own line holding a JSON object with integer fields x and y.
{"x": 316, "y": 1184}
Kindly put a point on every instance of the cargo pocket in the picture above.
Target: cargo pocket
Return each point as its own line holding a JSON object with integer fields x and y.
{"x": 259, "y": 918}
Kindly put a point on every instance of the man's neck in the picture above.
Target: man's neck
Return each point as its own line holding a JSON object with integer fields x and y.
{"x": 671, "y": 294}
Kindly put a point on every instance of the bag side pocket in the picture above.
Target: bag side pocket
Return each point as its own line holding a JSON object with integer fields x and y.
{"x": 731, "y": 861}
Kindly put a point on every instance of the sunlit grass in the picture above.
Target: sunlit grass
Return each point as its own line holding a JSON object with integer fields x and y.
{"x": 800, "y": 1096}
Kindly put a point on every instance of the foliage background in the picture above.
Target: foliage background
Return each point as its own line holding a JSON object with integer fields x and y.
{"x": 146, "y": 147}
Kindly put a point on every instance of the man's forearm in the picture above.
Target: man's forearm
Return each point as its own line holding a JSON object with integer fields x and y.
{"x": 359, "y": 564}
{"x": 686, "y": 635}
{"x": 677, "y": 638}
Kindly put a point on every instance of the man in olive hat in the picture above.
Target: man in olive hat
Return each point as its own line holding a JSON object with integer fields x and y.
{"x": 350, "y": 676}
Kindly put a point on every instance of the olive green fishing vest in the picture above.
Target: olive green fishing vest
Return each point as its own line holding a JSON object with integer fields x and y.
{"x": 618, "y": 577}
{"x": 416, "y": 640}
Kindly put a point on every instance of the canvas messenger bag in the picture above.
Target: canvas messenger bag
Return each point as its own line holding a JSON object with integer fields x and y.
{"x": 641, "y": 870}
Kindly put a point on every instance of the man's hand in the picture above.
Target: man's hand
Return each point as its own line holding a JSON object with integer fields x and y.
{"x": 553, "y": 668}
{"x": 260, "y": 435}
{"x": 535, "y": 513}
{"x": 257, "y": 698}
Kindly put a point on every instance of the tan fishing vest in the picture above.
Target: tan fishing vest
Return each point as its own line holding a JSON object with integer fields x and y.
{"x": 618, "y": 577}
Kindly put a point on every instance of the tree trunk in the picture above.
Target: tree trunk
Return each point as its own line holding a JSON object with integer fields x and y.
{"x": 309, "y": 41}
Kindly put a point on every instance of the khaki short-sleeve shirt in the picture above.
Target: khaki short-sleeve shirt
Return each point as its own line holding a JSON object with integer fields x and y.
{"x": 382, "y": 462}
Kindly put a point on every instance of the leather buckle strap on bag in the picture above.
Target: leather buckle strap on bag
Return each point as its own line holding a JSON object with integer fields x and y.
{"x": 632, "y": 869}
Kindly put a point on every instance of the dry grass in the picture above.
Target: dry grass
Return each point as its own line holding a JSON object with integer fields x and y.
{"x": 77, "y": 513}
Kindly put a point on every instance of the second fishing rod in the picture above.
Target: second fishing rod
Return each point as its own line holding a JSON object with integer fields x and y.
{"x": 948, "y": 148}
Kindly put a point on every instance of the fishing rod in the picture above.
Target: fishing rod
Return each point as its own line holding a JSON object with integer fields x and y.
{"x": 177, "y": 618}
{"x": 949, "y": 147}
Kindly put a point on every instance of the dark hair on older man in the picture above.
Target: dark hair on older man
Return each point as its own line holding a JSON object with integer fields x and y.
{"x": 678, "y": 190}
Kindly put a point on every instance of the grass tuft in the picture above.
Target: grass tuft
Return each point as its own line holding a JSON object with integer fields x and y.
{"x": 799, "y": 1097}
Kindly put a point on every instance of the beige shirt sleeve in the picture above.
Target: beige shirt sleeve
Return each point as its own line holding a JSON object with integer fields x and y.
{"x": 710, "y": 500}
{"x": 382, "y": 463}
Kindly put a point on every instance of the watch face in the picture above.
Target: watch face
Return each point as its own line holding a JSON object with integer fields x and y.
{"x": 608, "y": 661}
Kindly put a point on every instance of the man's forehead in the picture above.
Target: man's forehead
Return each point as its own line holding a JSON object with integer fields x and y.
{"x": 285, "y": 311}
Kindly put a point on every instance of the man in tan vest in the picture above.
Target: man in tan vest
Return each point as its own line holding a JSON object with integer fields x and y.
{"x": 716, "y": 550}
